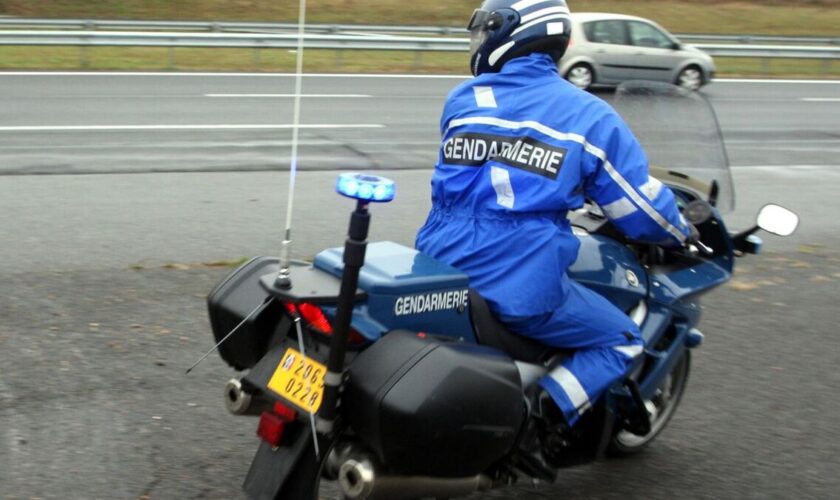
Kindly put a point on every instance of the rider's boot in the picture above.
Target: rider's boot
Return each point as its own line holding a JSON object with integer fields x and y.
{"x": 545, "y": 423}
{"x": 557, "y": 436}
{"x": 638, "y": 414}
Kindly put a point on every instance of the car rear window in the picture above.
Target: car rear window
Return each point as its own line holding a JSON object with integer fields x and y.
{"x": 612, "y": 32}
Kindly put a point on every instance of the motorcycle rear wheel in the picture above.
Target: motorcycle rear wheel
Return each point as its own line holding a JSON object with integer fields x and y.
{"x": 667, "y": 398}
{"x": 307, "y": 481}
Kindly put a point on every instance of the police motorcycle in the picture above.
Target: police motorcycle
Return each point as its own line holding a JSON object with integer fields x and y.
{"x": 377, "y": 373}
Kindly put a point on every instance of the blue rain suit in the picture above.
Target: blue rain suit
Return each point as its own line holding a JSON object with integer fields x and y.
{"x": 520, "y": 148}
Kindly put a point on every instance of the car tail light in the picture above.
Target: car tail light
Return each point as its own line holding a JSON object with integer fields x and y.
{"x": 271, "y": 428}
{"x": 315, "y": 318}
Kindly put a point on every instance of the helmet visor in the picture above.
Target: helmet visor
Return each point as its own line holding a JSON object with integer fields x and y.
{"x": 478, "y": 19}
{"x": 478, "y": 33}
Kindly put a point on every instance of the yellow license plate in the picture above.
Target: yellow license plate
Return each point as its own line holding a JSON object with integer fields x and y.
{"x": 299, "y": 380}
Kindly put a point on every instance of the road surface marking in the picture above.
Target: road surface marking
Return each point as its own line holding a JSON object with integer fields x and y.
{"x": 834, "y": 169}
{"x": 73, "y": 128}
{"x": 262, "y": 75}
{"x": 770, "y": 80}
{"x": 344, "y": 75}
{"x": 821, "y": 99}
{"x": 307, "y": 96}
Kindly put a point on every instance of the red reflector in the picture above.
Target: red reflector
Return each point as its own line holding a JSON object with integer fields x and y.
{"x": 285, "y": 413}
{"x": 271, "y": 428}
{"x": 316, "y": 318}
{"x": 421, "y": 335}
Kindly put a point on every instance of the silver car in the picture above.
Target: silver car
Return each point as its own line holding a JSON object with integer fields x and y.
{"x": 612, "y": 48}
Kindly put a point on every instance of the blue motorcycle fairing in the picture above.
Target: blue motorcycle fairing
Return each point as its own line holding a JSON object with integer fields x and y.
{"x": 672, "y": 287}
{"x": 611, "y": 269}
{"x": 396, "y": 277}
{"x": 665, "y": 334}
{"x": 406, "y": 289}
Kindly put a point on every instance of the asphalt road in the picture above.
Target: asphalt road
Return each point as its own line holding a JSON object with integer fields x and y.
{"x": 71, "y": 123}
{"x": 103, "y": 277}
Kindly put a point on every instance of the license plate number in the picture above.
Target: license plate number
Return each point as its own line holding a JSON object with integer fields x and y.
{"x": 299, "y": 380}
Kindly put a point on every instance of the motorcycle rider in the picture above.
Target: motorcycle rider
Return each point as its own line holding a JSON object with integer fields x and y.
{"x": 521, "y": 147}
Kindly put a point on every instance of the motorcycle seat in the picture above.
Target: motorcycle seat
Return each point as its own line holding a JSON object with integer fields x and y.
{"x": 489, "y": 331}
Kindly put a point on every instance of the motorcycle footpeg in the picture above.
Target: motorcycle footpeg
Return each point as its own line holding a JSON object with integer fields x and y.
{"x": 636, "y": 419}
{"x": 533, "y": 466}
{"x": 527, "y": 458}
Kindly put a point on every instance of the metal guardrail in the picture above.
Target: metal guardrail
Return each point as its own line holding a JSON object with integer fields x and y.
{"x": 342, "y": 42}
{"x": 228, "y": 40}
{"x": 226, "y": 26}
{"x": 749, "y": 39}
{"x": 255, "y": 27}
{"x": 770, "y": 51}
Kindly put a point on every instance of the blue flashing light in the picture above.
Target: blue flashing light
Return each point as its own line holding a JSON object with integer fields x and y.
{"x": 365, "y": 187}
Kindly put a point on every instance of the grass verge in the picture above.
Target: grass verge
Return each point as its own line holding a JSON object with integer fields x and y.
{"x": 325, "y": 61}
{"x": 792, "y": 17}
{"x": 772, "y": 17}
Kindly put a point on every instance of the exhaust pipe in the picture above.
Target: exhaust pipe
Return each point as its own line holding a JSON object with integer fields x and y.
{"x": 359, "y": 481}
{"x": 239, "y": 402}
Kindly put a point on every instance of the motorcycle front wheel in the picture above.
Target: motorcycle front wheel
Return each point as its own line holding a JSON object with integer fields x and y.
{"x": 666, "y": 400}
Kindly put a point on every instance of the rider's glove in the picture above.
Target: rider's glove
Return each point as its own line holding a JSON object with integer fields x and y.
{"x": 693, "y": 234}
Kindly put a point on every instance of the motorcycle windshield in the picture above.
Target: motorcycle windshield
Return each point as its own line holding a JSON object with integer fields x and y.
{"x": 680, "y": 133}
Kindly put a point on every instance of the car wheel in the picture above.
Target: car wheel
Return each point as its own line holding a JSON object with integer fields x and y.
{"x": 581, "y": 76}
{"x": 690, "y": 78}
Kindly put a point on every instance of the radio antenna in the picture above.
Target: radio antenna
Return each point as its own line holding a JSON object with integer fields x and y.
{"x": 284, "y": 279}
{"x": 283, "y": 276}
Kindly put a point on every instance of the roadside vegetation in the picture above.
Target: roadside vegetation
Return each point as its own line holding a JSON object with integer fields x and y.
{"x": 793, "y": 17}
{"x": 770, "y": 17}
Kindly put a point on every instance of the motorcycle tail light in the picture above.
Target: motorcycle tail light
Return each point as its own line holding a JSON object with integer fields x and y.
{"x": 271, "y": 428}
{"x": 315, "y": 318}
{"x": 312, "y": 315}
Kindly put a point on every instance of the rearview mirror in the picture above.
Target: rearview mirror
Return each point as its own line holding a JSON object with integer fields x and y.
{"x": 777, "y": 220}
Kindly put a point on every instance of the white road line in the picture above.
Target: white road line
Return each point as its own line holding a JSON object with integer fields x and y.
{"x": 74, "y": 128}
{"x": 820, "y": 99}
{"x": 343, "y": 75}
{"x": 305, "y": 96}
{"x": 717, "y": 99}
{"x": 770, "y": 80}
{"x": 792, "y": 149}
{"x": 261, "y": 75}
{"x": 784, "y": 141}
{"x": 101, "y": 145}
{"x": 835, "y": 169}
